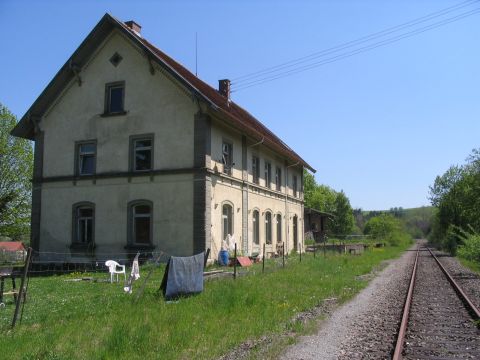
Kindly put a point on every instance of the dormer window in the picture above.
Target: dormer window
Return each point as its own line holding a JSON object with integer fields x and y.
{"x": 115, "y": 98}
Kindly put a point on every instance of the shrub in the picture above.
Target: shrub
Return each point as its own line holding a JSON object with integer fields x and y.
{"x": 470, "y": 250}
{"x": 386, "y": 227}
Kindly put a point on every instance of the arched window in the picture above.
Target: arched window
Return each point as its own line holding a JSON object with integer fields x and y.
{"x": 227, "y": 220}
{"x": 140, "y": 222}
{"x": 295, "y": 232}
{"x": 279, "y": 228}
{"x": 256, "y": 227}
{"x": 83, "y": 223}
{"x": 268, "y": 228}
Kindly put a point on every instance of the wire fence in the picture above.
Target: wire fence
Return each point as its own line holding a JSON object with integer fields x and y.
{"x": 96, "y": 270}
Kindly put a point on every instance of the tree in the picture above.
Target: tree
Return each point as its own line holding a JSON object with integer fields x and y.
{"x": 324, "y": 198}
{"x": 16, "y": 166}
{"x": 309, "y": 184}
{"x": 343, "y": 222}
{"x": 380, "y": 227}
{"x": 456, "y": 194}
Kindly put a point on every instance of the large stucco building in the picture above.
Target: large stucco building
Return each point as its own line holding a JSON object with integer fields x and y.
{"x": 133, "y": 151}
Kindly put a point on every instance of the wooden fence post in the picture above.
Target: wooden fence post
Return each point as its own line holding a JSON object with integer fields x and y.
{"x": 235, "y": 262}
{"x": 263, "y": 259}
{"x": 21, "y": 292}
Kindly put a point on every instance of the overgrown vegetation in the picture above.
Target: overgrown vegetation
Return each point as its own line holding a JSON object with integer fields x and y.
{"x": 97, "y": 320}
{"x": 456, "y": 196}
{"x": 16, "y": 166}
{"x": 388, "y": 228}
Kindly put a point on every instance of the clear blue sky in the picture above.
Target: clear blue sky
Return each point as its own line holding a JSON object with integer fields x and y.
{"x": 379, "y": 125}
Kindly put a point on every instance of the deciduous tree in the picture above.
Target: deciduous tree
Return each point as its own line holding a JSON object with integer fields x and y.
{"x": 16, "y": 164}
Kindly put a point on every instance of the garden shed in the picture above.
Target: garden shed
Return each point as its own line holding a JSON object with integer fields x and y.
{"x": 12, "y": 252}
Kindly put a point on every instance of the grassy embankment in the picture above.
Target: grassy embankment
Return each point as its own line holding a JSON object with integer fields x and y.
{"x": 97, "y": 320}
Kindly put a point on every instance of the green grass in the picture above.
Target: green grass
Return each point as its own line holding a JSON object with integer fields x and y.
{"x": 472, "y": 265}
{"x": 97, "y": 320}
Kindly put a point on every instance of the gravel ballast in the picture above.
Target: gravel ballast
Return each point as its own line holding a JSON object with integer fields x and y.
{"x": 365, "y": 327}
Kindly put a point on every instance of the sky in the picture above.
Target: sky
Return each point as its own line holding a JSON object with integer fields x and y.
{"x": 379, "y": 125}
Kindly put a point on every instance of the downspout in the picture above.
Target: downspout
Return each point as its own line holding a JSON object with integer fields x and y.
{"x": 246, "y": 180}
{"x": 259, "y": 143}
{"x": 287, "y": 214}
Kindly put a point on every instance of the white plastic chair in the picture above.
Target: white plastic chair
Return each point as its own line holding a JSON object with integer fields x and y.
{"x": 115, "y": 268}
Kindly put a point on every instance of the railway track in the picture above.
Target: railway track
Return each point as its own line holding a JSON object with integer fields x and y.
{"x": 439, "y": 321}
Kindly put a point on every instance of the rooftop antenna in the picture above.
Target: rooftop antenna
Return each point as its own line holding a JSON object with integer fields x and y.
{"x": 196, "y": 54}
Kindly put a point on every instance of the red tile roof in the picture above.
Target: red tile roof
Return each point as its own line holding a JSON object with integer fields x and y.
{"x": 237, "y": 115}
{"x": 11, "y": 246}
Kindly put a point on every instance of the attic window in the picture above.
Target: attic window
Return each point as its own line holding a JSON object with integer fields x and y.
{"x": 114, "y": 98}
{"x": 116, "y": 59}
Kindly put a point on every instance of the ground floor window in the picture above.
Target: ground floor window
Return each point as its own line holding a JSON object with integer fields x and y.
{"x": 140, "y": 223}
{"x": 84, "y": 215}
{"x": 268, "y": 228}
{"x": 256, "y": 227}
{"x": 279, "y": 228}
{"x": 227, "y": 220}
{"x": 295, "y": 233}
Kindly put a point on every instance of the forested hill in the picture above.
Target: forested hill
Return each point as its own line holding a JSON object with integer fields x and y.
{"x": 417, "y": 221}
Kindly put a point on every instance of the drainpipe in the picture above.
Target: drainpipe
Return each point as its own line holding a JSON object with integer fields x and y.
{"x": 246, "y": 181}
{"x": 258, "y": 143}
{"x": 287, "y": 215}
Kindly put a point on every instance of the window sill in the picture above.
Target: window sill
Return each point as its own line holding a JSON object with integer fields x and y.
{"x": 82, "y": 246}
{"x": 141, "y": 171}
{"x": 114, "y": 114}
{"x": 146, "y": 247}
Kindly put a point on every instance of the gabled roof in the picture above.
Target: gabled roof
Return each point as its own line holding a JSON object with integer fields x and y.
{"x": 308, "y": 210}
{"x": 228, "y": 110}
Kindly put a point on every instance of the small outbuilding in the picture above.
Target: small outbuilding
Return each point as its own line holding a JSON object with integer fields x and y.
{"x": 316, "y": 224}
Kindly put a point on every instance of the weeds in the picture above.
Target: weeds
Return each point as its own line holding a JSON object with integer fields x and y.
{"x": 97, "y": 320}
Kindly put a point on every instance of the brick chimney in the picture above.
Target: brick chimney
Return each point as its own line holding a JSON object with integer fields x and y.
{"x": 134, "y": 26}
{"x": 224, "y": 88}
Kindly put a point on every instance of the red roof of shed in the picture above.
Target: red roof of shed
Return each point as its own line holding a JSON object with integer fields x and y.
{"x": 232, "y": 112}
{"x": 11, "y": 246}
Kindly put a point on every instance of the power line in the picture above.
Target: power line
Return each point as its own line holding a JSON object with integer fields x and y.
{"x": 275, "y": 76}
{"x": 358, "y": 41}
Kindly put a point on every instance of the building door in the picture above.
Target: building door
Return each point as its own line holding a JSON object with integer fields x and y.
{"x": 295, "y": 233}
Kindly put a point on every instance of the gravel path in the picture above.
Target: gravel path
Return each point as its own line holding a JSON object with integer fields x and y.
{"x": 364, "y": 328}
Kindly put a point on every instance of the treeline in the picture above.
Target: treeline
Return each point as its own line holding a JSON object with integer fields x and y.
{"x": 417, "y": 222}
{"x": 456, "y": 197}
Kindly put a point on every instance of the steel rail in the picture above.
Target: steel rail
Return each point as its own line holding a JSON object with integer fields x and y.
{"x": 397, "y": 355}
{"x": 457, "y": 288}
